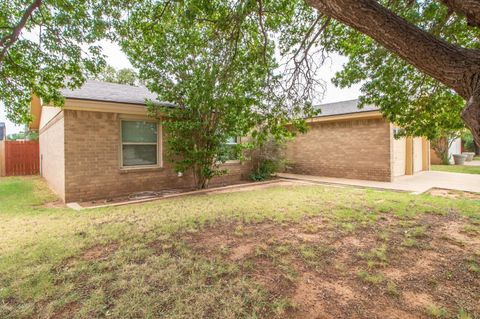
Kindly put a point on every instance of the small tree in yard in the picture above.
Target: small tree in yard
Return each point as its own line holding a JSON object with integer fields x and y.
{"x": 442, "y": 144}
{"x": 195, "y": 55}
{"x": 267, "y": 159}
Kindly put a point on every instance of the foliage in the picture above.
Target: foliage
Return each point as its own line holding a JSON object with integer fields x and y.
{"x": 55, "y": 49}
{"x": 268, "y": 159}
{"x": 441, "y": 145}
{"x": 468, "y": 141}
{"x": 26, "y": 135}
{"x": 121, "y": 76}
{"x": 65, "y": 51}
{"x": 406, "y": 96}
{"x": 215, "y": 65}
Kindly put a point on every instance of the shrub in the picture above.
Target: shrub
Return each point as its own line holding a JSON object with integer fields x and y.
{"x": 268, "y": 159}
{"x": 468, "y": 142}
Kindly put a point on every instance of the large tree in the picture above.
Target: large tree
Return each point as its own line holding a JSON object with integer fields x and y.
{"x": 455, "y": 66}
{"x": 46, "y": 45}
{"x": 209, "y": 59}
{"x": 408, "y": 97}
{"x": 405, "y": 28}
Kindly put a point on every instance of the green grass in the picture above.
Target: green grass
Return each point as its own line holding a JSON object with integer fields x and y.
{"x": 150, "y": 271}
{"x": 370, "y": 278}
{"x": 376, "y": 257}
{"x": 456, "y": 169}
{"x": 436, "y": 312}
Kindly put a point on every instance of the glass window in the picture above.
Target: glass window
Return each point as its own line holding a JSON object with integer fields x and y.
{"x": 139, "y": 143}
{"x": 230, "y": 150}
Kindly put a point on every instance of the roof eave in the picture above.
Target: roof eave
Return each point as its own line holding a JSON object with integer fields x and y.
{"x": 346, "y": 116}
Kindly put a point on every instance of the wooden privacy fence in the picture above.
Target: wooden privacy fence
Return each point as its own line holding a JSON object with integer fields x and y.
{"x": 21, "y": 158}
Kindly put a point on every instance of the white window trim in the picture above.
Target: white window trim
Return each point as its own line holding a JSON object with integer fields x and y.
{"x": 159, "y": 143}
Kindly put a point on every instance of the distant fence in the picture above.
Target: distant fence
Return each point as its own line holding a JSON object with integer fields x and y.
{"x": 20, "y": 158}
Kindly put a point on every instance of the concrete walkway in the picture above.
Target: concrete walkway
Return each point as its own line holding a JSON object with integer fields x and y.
{"x": 418, "y": 183}
{"x": 472, "y": 163}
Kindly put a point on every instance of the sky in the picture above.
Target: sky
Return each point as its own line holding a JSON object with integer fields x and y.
{"x": 116, "y": 58}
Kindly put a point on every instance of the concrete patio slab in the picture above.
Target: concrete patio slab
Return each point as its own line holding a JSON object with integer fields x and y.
{"x": 472, "y": 163}
{"x": 418, "y": 183}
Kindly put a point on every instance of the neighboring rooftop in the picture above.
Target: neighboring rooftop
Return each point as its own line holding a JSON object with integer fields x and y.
{"x": 121, "y": 93}
{"x": 110, "y": 92}
{"x": 344, "y": 107}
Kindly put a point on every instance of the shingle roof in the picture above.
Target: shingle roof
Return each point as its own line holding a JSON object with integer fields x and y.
{"x": 121, "y": 93}
{"x": 344, "y": 107}
{"x": 111, "y": 92}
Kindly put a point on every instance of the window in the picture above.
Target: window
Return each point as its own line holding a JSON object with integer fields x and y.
{"x": 230, "y": 151}
{"x": 139, "y": 143}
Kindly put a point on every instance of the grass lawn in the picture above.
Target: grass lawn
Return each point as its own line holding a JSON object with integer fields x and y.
{"x": 281, "y": 252}
{"x": 456, "y": 169}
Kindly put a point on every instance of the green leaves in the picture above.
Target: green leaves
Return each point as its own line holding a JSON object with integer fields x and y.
{"x": 210, "y": 59}
{"x": 407, "y": 97}
{"x": 122, "y": 76}
{"x": 56, "y": 49}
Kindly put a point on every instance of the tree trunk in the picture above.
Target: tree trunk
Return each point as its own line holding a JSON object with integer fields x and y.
{"x": 201, "y": 181}
{"x": 456, "y": 67}
{"x": 471, "y": 116}
{"x": 469, "y": 8}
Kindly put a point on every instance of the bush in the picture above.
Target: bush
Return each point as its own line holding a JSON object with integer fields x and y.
{"x": 268, "y": 159}
{"x": 264, "y": 170}
{"x": 468, "y": 142}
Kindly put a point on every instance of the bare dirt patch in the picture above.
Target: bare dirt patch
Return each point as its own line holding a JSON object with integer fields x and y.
{"x": 453, "y": 193}
{"x": 67, "y": 311}
{"x": 54, "y": 204}
{"x": 242, "y": 251}
{"x": 240, "y": 186}
{"x": 99, "y": 252}
{"x": 390, "y": 269}
{"x": 458, "y": 234}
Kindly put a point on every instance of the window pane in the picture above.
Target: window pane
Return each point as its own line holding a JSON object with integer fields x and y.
{"x": 139, "y": 131}
{"x": 231, "y": 140}
{"x": 134, "y": 155}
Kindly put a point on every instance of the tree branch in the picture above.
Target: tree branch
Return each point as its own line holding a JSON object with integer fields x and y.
{"x": 456, "y": 67}
{"x": 7, "y": 41}
{"x": 469, "y": 8}
{"x": 451, "y": 65}
{"x": 262, "y": 29}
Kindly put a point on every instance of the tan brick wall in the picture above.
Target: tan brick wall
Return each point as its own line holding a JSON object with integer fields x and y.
{"x": 92, "y": 163}
{"x": 52, "y": 155}
{"x": 357, "y": 149}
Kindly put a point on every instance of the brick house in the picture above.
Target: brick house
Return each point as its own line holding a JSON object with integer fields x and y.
{"x": 102, "y": 144}
{"x": 347, "y": 142}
